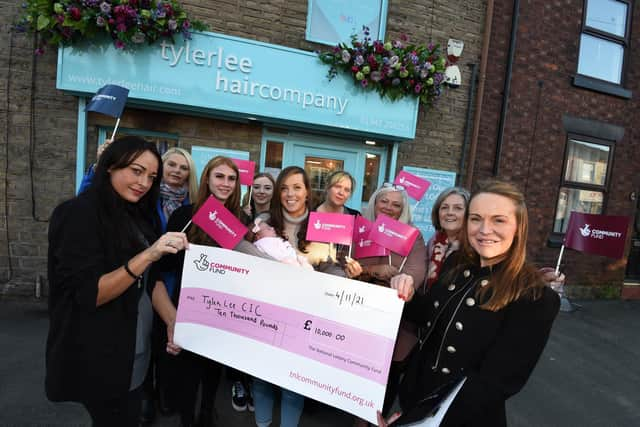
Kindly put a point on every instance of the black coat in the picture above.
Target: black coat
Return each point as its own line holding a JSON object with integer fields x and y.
{"x": 495, "y": 350}
{"x": 90, "y": 350}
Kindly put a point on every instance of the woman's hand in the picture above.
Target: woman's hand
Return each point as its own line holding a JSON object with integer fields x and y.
{"x": 172, "y": 348}
{"x": 403, "y": 283}
{"x": 553, "y": 280}
{"x": 352, "y": 267}
{"x": 101, "y": 148}
{"x": 169, "y": 243}
{"x": 384, "y": 423}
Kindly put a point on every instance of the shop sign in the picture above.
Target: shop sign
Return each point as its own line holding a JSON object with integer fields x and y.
{"x": 224, "y": 75}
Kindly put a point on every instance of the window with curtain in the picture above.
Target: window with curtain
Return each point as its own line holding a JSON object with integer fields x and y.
{"x": 585, "y": 179}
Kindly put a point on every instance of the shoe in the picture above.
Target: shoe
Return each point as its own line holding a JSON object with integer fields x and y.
{"x": 238, "y": 397}
{"x": 148, "y": 412}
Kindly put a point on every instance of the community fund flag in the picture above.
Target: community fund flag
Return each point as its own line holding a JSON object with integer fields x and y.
{"x": 413, "y": 185}
{"x": 109, "y": 100}
{"x": 393, "y": 235}
{"x": 597, "y": 234}
{"x": 246, "y": 169}
{"x": 330, "y": 228}
{"x": 363, "y": 246}
{"x": 219, "y": 223}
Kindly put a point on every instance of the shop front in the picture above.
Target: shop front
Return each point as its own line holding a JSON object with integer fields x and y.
{"x": 217, "y": 94}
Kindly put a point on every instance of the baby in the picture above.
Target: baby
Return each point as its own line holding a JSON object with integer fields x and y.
{"x": 278, "y": 248}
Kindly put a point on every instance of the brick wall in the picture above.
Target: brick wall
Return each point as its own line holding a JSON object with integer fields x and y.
{"x": 38, "y": 149}
{"x": 535, "y": 140}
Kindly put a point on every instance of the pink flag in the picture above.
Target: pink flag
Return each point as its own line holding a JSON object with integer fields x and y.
{"x": 597, "y": 234}
{"x": 330, "y": 228}
{"x": 414, "y": 185}
{"x": 363, "y": 247}
{"x": 219, "y": 223}
{"x": 246, "y": 169}
{"x": 393, "y": 235}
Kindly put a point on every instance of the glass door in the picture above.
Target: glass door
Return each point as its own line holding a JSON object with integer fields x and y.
{"x": 320, "y": 155}
{"x": 319, "y": 163}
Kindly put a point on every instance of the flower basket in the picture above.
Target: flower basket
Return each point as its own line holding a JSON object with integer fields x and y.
{"x": 394, "y": 69}
{"x": 129, "y": 23}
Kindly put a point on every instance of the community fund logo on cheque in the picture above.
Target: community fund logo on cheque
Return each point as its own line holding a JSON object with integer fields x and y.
{"x": 203, "y": 264}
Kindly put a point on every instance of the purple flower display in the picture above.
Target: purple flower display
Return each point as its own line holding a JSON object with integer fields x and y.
{"x": 394, "y": 68}
{"x": 129, "y": 23}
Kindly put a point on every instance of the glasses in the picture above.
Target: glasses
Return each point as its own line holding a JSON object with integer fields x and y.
{"x": 394, "y": 186}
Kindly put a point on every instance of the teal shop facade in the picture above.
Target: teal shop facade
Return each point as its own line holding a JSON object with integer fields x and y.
{"x": 253, "y": 88}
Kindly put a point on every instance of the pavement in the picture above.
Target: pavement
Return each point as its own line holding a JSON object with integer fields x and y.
{"x": 588, "y": 375}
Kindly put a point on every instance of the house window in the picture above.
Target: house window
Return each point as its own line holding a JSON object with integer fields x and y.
{"x": 585, "y": 179}
{"x": 604, "y": 39}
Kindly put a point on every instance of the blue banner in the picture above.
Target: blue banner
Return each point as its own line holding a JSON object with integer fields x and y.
{"x": 109, "y": 100}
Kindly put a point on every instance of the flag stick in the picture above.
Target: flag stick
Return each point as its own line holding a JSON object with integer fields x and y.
{"x": 402, "y": 265}
{"x": 389, "y": 258}
{"x": 350, "y": 249}
{"x": 330, "y": 250}
{"x": 185, "y": 227}
{"x": 115, "y": 129}
{"x": 559, "y": 260}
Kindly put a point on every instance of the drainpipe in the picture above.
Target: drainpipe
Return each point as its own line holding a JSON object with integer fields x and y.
{"x": 488, "y": 19}
{"x": 468, "y": 124}
{"x": 507, "y": 86}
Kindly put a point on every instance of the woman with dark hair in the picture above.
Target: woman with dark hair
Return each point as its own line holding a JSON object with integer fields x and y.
{"x": 488, "y": 318}
{"x": 101, "y": 245}
{"x": 289, "y": 216}
{"x": 220, "y": 179}
{"x": 261, "y": 194}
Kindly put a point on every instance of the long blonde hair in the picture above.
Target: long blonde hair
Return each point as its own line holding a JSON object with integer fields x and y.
{"x": 192, "y": 179}
{"x": 196, "y": 234}
{"x": 515, "y": 277}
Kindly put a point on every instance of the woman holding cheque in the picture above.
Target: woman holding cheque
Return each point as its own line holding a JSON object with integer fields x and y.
{"x": 220, "y": 179}
{"x": 289, "y": 217}
{"x": 101, "y": 244}
{"x": 488, "y": 318}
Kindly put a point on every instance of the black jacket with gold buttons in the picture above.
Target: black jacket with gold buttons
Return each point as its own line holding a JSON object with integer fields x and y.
{"x": 495, "y": 350}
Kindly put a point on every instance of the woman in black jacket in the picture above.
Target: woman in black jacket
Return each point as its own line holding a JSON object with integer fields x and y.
{"x": 101, "y": 244}
{"x": 488, "y": 318}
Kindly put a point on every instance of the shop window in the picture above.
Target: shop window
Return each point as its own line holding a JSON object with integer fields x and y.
{"x": 273, "y": 158}
{"x": 334, "y": 21}
{"x": 604, "y": 40}
{"x": 585, "y": 179}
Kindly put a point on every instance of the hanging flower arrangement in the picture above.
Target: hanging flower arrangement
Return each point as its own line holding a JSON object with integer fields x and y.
{"x": 129, "y": 23}
{"x": 394, "y": 69}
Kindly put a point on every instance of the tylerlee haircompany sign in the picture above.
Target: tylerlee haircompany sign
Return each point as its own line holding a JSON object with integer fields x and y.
{"x": 229, "y": 75}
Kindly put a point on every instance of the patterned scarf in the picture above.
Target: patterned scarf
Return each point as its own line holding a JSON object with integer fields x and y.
{"x": 171, "y": 199}
{"x": 442, "y": 247}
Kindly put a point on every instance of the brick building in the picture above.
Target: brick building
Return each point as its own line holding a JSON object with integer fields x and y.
{"x": 569, "y": 138}
{"x": 48, "y": 140}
